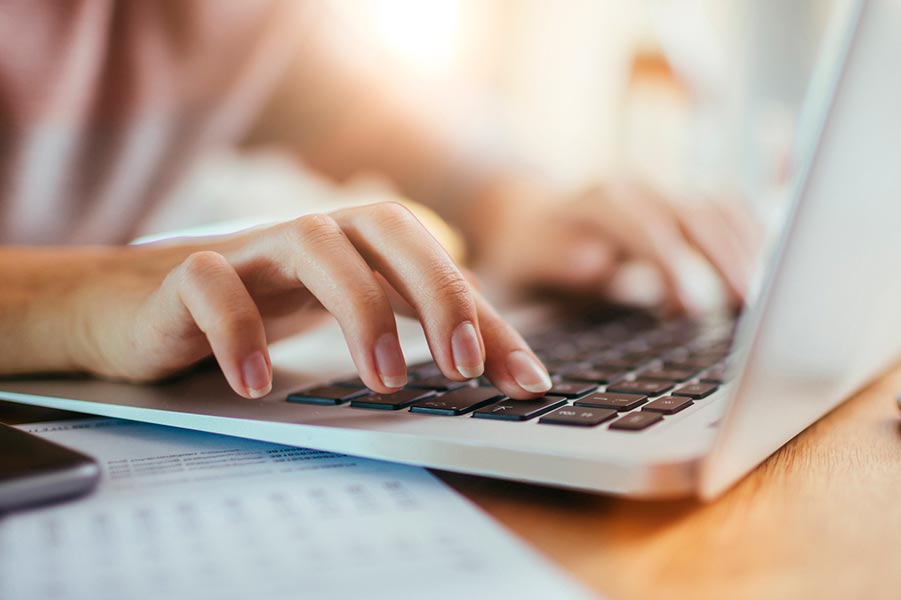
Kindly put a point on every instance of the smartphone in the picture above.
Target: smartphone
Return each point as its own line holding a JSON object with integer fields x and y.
{"x": 34, "y": 471}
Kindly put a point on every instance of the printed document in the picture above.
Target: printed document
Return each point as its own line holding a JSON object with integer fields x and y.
{"x": 182, "y": 514}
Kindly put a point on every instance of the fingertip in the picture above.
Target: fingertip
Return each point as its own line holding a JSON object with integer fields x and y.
{"x": 528, "y": 372}
{"x": 517, "y": 393}
{"x": 390, "y": 365}
{"x": 256, "y": 374}
{"x": 394, "y": 383}
{"x": 467, "y": 351}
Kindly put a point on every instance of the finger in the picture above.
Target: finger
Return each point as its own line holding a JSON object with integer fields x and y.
{"x": 400, "y": 248}
{"x": 705, "y": 228}
{"x": 744, "y": 225}
{"x": 209, "y": 290}
{"x": 635, "y": 221}
{"x": 509, "y": 362}
{"x": 570, "y": 259}
{"x": 400, "y": 304}
{"x": 315, "y": 253}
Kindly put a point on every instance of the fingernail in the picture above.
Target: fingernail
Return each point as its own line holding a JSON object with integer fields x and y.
{"x": 528, "y": 372}
{"x": 257, "y": 378}
{"x": 389, "y": 361}
{"x": 467, "y": 351}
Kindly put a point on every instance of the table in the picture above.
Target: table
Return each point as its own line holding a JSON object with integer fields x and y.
{"x": 820, "y": 519}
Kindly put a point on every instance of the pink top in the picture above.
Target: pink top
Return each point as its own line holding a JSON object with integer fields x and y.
{"x": 103, "y": 103}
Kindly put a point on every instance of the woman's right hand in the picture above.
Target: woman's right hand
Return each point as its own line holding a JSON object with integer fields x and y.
{"x": 156, "y": 310}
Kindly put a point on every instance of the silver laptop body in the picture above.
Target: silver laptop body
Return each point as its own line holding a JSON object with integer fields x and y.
{"x": 827, "y": 321}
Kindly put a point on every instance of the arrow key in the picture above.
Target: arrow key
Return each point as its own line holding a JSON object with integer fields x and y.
{"x": 519, "y": 410}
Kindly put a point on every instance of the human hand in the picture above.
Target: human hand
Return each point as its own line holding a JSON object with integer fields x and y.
{"x": 581, "y": 244}
{"x": 156, "y": 310}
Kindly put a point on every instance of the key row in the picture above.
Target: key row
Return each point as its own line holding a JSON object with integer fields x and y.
{"x": 488, "y": 403}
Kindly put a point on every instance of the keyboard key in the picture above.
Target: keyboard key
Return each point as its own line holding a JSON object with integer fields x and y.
{"x": 519, "y": 410}
{"x": 356, "y": 382}
{"x": 620, "y": 364}
{"x": 668, "y": 374}
{"x": 395, "y": 401}
{"x": 621, "y": 402}
{"x": 640, "y": 386}
{"x": 696, "y": 391}
{"x": 436, "y": 382}
{"x": 327, "y": 395}
{"x": 685, "y": 364}
{"x": 559, "y": 367}
{"x": 578, "y": 416}
{"x": 636, "y": 421}
{"x": 457, "y": 402}
{"x": 596, "y": 375}
{"x": 571, "y": 389}
{"x": 669, "y": 405}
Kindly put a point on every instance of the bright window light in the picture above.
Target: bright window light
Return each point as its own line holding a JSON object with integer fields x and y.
{"x": 423, "y": 33}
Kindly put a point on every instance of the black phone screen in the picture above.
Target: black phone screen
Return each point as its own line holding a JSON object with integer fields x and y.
{"x": 23, "y": 454}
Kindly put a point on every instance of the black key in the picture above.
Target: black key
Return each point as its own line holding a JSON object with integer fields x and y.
{"x": 639, "y": 386}
{"x": 617, "y": 364}
{"x": 636, "y": 421}
{"x": 669, "y": 405}
{"x": 436, "y": 382}
{"x": 457, "y": 402}
{"x": 684, "y": 364}
{"x": 395, "y": 401}
{"x": 356, "y": 382}
{"x": 668, "y": 374}
{"x": 696, "y": 391}
{"x": 571, "y": 389}
{"x": 621, "y": 402}
{"x": 558, "y": 367}
{"x": 596, "y": 375}
{"x": 578, "y": 416}
{"x": 519, "y": 410}
{"x": 327, "y": 395}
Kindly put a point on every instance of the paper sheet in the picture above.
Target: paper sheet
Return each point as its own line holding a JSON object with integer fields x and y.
{"x": 181, "y": 514}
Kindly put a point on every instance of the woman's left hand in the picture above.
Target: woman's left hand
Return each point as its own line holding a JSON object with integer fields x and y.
{"x": 579, "y": 245}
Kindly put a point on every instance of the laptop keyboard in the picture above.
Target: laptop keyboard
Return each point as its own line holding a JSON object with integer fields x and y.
{"x": 628, "y": 374}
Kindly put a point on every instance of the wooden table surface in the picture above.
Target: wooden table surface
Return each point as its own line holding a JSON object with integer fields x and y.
{"x": 820, "y": 519}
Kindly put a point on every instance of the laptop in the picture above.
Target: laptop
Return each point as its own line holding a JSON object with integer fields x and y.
{"x": 642, "y": 406}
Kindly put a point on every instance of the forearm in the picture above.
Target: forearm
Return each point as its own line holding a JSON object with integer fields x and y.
{"x": 38, "y": 314}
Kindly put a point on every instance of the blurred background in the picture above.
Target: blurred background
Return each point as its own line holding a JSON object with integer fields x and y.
{"x": 693, "y": 95}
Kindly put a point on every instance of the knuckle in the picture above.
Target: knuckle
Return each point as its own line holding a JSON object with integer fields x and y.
{"x": 449, "y": 285}
{"x": 390, "y": 215}
{"x": 236, "y": 322}
{"x": 317, "y": 228}
{"x": 367, "y": 299}
{"x": 201, "y": 265}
